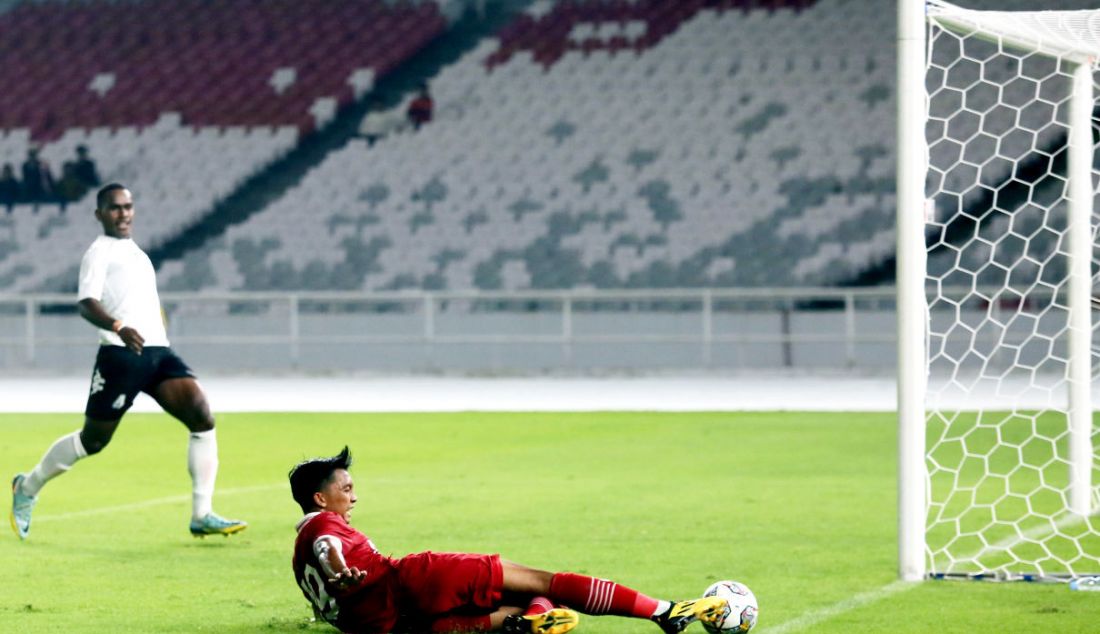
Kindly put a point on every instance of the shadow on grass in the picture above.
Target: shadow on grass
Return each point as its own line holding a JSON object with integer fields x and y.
{"x": 278, "y": 624}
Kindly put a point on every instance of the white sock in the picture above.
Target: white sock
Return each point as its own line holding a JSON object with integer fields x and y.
{"x": 59, "y": 458}
{"x": 662, "y": 607}
{"x": 202, "y": 464}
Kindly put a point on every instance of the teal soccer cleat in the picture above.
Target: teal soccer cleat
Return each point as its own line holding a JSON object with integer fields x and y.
{"x": 214, "y": 524}
{"x": 21, "y": 507}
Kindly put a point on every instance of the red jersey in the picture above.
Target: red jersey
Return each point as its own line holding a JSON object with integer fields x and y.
{"x": 371, "y": 606}
{"x": 407, "y": 593}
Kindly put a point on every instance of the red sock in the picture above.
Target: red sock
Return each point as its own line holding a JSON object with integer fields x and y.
{"x": 539, "y": 605}
{"x": 600, "y": 596}
{"x": 479, "y": 623}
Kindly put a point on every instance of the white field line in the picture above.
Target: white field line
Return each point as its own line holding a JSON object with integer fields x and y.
{"x": 173, "y": 499}
{"x": 808, "y": 619}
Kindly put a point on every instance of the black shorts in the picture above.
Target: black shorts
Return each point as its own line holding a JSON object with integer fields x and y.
{"x": 120, "y": 374}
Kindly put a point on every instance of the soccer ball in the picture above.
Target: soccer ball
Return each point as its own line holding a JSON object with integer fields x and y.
{"x": 742, "y": 611}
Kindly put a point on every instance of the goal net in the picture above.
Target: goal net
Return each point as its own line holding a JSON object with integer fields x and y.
{"x": 1010, "y": 459}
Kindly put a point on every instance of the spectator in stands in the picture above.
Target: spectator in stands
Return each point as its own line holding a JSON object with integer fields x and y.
{"x": 420, "y": 109}
{"x": 376, "y": 124}
{"x": 38, "y": 183}
{"x": 85, "y": 168}
{"x": 71, "y": 187}
{"x": 9, "y": 187}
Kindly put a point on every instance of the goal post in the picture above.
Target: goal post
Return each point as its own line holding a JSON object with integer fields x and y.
{"x": 995, "y": 275}
{"x": 911, "y": 304}
{"x": 1080, "y": 194}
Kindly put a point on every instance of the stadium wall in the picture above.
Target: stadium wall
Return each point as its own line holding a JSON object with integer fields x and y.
{"x": 817, "y": 330}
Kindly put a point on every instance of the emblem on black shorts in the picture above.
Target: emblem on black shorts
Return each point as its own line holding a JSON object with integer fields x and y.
{"x": 97, "y": 382}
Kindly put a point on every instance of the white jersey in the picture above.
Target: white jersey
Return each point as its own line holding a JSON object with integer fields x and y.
{"x": 117, "y": 272}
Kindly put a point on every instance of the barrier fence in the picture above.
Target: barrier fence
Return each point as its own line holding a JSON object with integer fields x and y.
{"x": 487, "y": 331}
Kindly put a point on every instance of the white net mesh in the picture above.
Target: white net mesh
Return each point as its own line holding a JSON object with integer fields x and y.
{"x": 999, "y": 87}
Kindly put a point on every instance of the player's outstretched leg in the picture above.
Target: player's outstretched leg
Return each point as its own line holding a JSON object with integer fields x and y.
{"x": 21, "y": 507}
{"x": 555, "y": 621}
{"x": 214, "y": 524}
{"x": 683, "y": 613}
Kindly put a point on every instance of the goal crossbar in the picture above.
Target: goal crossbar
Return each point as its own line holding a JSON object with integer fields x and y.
{"x": 1073, "y": 35}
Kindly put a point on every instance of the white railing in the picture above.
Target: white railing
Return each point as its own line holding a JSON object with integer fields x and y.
{"x": 706, "y": 327}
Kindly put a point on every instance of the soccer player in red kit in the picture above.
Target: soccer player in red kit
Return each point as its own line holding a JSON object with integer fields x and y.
{"x": 357, "y": 589}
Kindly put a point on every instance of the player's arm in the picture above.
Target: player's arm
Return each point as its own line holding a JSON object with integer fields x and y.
{"x": 93, "y": 312}
{"x": 329, "y": 551}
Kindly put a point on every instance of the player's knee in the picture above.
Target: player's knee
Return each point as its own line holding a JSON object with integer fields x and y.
{"x": 201, "y": 423}
{"x": 520, "y": 578}
{"x": 94, "y": 444}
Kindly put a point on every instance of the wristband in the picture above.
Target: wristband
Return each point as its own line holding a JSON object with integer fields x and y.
{"x": 116, "y": 326}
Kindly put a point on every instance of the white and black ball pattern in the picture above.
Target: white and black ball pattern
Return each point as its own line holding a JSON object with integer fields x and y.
{"x": 743, "y": 608}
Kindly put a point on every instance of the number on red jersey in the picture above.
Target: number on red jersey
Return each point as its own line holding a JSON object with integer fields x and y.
{"x": 314, "y": 587}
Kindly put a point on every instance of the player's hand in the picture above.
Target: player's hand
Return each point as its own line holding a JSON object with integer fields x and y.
{"x": 347, "y": 578}
{"x": 132, "y": 338}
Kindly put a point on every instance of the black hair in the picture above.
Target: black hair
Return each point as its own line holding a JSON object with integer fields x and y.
{"x": 310, "y": 476}
{"x": 101, "y": 195}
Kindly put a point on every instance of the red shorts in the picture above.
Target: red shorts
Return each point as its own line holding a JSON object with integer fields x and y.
{"x": 433, "y": 584}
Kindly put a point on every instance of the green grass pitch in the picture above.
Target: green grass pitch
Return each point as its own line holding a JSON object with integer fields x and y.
{"x": 800, "y": 506}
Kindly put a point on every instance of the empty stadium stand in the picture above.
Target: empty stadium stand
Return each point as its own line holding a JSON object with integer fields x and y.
{"x": 180, "y": 100}
{"x": 605, "y": 144}
{"x": 588, "y": 143}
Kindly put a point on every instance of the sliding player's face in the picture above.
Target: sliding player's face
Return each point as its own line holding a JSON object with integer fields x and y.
{"x": 338, "y": 494}
{"x": 117, "y": 213}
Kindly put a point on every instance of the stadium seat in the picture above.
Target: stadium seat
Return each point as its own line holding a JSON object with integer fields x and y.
{"x": 617, "y": 144}
{"x": 175, "y": 99}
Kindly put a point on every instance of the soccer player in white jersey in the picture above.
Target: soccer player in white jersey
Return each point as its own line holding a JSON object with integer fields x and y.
{"x": 118, "y": 295}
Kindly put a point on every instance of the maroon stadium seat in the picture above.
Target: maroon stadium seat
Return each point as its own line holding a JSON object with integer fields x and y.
{"x": 211, "y": 62}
